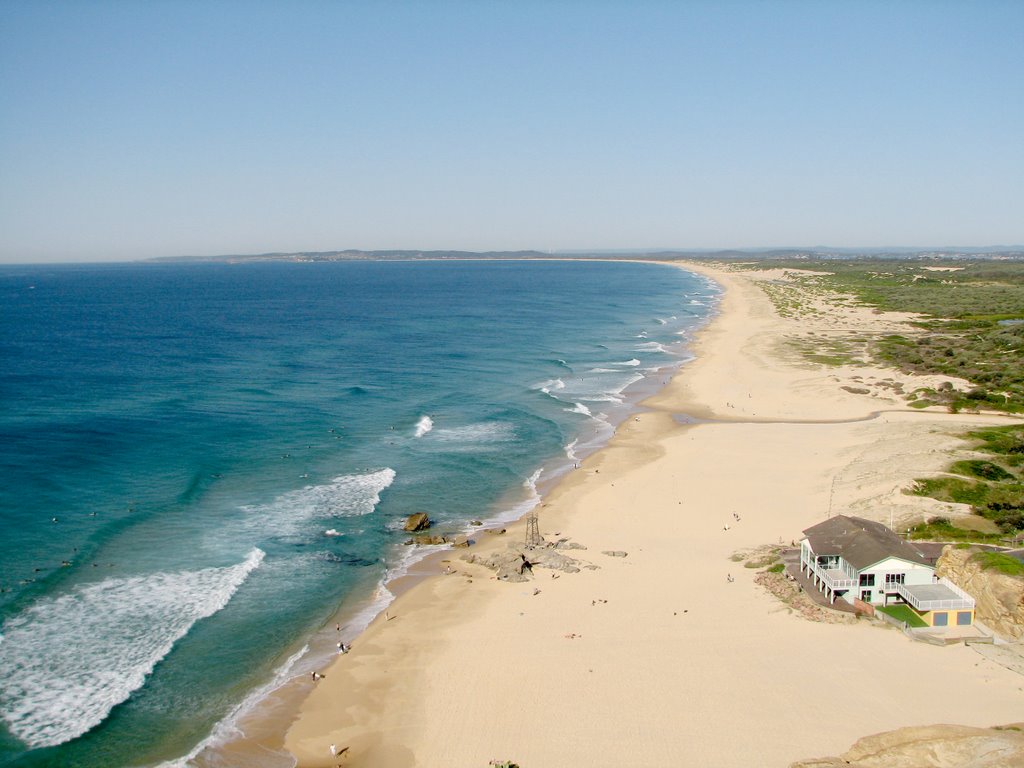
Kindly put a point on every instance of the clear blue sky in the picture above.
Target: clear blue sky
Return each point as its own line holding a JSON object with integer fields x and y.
{"x": 137, "y": 129}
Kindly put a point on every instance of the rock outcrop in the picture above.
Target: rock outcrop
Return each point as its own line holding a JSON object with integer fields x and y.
{"x": 932, "y": 746}
{"x": 417, "y": 521}
{"x": 517, "y": 562}
{"x": 999, "y": 599}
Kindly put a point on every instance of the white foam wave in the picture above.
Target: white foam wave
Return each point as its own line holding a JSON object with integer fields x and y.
{"x": 424, "y": 425}
{"x": 660, "y": 321}
{"x": 68, "y": 660}
{"x": 485, "y": 432}
{"x": 642, "y": 335}
{"x": 696, "y": 303}
{"x": 570, "y": 452}
{"x": 227, "y": 729}
{"x": 579, "y": 408}
{"x": 531, "y": 481}
{"x": 634, "y": 361}
{"x": 344, "y": 496}
{"x": 652, "y": 346}
{"x": 549, "y": 385}
{"x": 604, "y": 370}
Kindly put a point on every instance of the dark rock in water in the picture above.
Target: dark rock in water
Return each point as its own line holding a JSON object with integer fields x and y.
{"x": 418, "y": 521}
{"x": 475, "y": 522}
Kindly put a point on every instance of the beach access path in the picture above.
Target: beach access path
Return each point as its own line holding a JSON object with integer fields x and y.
{"x": 659, "y": 657}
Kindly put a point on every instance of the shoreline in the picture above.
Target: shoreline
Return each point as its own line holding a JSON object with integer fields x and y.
{"x": 259, "y": 726}
{"x": 391, "y": 703}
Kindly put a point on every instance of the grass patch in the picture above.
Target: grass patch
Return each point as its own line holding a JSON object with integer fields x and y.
{"x": 940, "y": 529}
{"x": 984, "y": 470}
{"x": 777, "y": 568}
{"x": 996, "y": 561}
{"x": 1005, "y": 442}
{"x": 952, "y": 489}
{"x": 902, "y": 613}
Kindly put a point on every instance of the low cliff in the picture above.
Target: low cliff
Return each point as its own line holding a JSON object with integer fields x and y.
{"x": 999, "y": 598}
{"x": 936, "y": 746}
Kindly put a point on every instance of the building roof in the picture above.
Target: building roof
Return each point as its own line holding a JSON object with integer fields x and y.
{"x": 860, "y": 542}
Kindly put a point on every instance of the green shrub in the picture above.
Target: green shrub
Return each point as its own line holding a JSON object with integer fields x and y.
{"x": 986, "y": 470}
{"x": 997, "y": 561}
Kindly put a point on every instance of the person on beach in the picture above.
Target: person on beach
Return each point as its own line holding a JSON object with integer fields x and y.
{"x": 334, "y": 750}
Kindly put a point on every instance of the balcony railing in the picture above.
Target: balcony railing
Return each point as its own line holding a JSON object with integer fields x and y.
{"x": 833, "y": 578}
{"x": 961, "y": 601}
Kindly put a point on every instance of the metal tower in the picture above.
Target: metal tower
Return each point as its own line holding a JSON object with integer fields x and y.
{"x": 533, "y": 537}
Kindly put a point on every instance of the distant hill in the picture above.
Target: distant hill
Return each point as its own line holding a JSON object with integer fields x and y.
{"x": 756, "y": 254}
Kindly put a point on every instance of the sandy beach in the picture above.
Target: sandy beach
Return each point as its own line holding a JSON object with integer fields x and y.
{"x": 672, "y": 655}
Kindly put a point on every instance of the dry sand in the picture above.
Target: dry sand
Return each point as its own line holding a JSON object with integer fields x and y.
{"x": 680, "y": 666}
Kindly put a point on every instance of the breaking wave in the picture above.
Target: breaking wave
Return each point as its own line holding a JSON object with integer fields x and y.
{"x": 67, "y": 661}
{"x": 344, "y": 496}
{"x": 424, "y": 425}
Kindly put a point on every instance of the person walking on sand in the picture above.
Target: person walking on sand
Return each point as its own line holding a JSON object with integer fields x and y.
{"x": 334, "y": 750}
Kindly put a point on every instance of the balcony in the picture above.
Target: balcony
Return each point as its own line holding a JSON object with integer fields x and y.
{"x": 943, "y": 595}
{"x": 833, "y": 578}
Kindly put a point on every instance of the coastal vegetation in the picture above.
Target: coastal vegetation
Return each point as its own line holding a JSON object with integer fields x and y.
{"x": 970, "y": 322}
{"x": 993, "y": 488}
{"x": 941, "y": 529}
{"x": 997, "y": 561}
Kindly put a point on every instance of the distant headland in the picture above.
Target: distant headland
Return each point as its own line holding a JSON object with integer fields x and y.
{"x": 1000, "y": 252}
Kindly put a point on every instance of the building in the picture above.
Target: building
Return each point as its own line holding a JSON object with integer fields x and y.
{"x": 861, "y": 561}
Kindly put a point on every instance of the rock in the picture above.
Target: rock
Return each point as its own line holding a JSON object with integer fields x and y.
{"x": 496, "y": 531}
{"x": 566, "y": 544}
{"x": 857, "y": 390}
{"x": 461, "y": 541}
{"x": 999, "y": 598}
{"x": 418, "y": 521}
{"x": 475, "y": 522}
{"x": 934, "y": 746}
{"x": 431, "y": 540}
{"x": 515, "y": 564}
{"x": 615, "y": 553}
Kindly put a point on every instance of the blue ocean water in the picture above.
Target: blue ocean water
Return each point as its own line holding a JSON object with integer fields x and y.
{"x": 201, "y": 462}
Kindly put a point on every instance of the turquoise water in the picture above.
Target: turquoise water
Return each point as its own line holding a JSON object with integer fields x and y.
{"x": 202, "y": 462}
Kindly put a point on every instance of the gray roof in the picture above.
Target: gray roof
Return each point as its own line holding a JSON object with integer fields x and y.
{"x": 860, "y": 542}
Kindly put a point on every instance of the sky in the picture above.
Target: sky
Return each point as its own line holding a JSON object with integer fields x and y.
{"x": 138, "y": 129}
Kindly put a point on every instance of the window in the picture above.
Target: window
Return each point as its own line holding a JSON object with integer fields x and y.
{"x": 941, "y": 619}
{"x": 963, "y": 618}
{"x": 867, "y": 579}
{"x": 892, "y": 579}
{"x": 865, "y": 595}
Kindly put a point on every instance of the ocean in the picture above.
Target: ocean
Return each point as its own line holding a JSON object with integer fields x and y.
{"x": 201, "y": 463}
